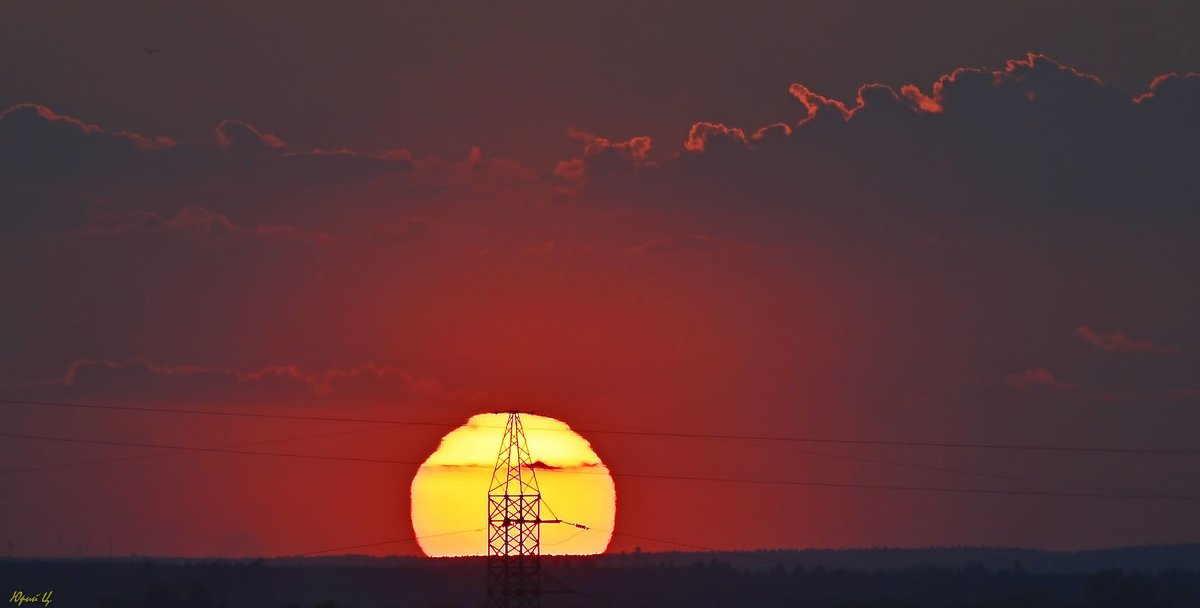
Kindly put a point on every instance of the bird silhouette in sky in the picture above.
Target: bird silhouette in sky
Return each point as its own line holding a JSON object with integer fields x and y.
{"x": 150, "y": 50}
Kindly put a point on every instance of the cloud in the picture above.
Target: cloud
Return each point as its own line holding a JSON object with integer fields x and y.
{"x": 189, "y": 220}
{"x": 80, "y": 370}
{"x": 1184, "y": 394}
{"x": 1030, "y": 76}
{"x": 196, "y": 222}
{"x": 244, "y": 136}
{"x": 544, "y": 466}
{"x": 543, "y": 248}
{"x": 636, "y": 149}
{"x": 1170, "y": 89}
{"x": 37, "y": 143}
{"x": 700, "y": 133}
{"x": 1034, "y": 378}
{"x": 1032, "y": 138}
{"x": 141, "y": 380}
{"x": 1118, "y": 342}
{"x": 54, "y": 167}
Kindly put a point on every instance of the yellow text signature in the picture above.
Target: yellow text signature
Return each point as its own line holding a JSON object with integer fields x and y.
{"x": 19, "y": 598}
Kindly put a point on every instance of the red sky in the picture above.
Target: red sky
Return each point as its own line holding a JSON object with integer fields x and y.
{"x": 686, "y": 218}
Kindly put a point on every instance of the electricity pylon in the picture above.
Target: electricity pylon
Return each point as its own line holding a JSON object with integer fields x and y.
{"x": 514, "y": 519}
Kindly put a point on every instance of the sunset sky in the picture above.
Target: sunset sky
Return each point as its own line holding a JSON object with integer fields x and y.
{"x": 931, "y": 222}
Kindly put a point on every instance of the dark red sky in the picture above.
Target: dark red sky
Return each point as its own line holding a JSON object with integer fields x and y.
{"x": 386, "y": 211}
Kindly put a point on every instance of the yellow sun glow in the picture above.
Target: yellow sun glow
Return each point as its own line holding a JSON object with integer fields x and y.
{"x": 449, "y": 491}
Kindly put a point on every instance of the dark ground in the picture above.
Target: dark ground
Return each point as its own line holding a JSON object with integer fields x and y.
{"x": 1142, "y": 577}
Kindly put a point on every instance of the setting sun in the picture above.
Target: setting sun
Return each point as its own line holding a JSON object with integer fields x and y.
{"x": 449, "y": 491}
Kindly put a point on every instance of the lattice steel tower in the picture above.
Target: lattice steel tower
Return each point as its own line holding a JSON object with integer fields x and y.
{"x": 514, "y": 518}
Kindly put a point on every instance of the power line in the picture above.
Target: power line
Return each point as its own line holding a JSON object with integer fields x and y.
{"x": 663, "y": 541}
{"x": 385, "y": 542}
{"x": 567, "y": 539}
{"x": 909, "y": 488}
{"x": 771, "y": 482}
{"x": 218, "y": 450}
{"x": 958, "y": 471}
{"x": 627, "y": 431}
{"x": 654, "y": 539}
{"x": 640, "y": 433}
{"x": 205, "y": 412}
{"x": 904, "y": 443}
{"x": 82, "y": 463}
{"x": 230, "y": 449}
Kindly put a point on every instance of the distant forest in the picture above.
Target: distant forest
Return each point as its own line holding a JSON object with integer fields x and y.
{"x": 1145, "y": 577}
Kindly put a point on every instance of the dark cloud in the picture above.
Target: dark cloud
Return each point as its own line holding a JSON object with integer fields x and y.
{"x": 38, "y": 144}
{"x": 189, "y": 220}
{"x": 194, "y": 222}
{"x": 243, "y": 136}
{"x": 1034, "y": 378}
{"x": 1119, "y": 342}
{"x": 1033, "y": 137}
{"x": 58, "y": 172}
{"x": 145, "y": 381}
